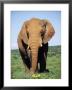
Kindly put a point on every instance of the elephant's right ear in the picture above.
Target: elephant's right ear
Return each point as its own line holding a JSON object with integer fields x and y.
{"x": 24, "y": 32}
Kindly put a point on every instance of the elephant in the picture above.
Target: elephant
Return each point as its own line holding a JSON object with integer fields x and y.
{"x": 33, "y": 43}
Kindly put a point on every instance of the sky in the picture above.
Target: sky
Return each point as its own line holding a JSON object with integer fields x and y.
{"x": 19, "y": 17}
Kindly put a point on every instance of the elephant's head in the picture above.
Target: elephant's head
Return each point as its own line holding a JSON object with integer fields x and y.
{"x": 36, "y": 32}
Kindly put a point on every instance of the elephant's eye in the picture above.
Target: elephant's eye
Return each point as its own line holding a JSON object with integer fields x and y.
{"x": 42, "y": 32}
{"x": 28, "y": 35}
{"x": 44, "y": 26}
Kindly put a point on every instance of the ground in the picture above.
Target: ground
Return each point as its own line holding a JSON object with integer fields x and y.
{"x": 53, "y": 64}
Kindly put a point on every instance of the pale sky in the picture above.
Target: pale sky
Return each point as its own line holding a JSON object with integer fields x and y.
{"x": 18, "y": 17}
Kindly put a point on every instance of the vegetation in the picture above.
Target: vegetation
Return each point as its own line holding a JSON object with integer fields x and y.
{"x": 53, "y": 63}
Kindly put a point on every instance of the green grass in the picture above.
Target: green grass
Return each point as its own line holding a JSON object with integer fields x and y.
{"x": 53, "y": 63}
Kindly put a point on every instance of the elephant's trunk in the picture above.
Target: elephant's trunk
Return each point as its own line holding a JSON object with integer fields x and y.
{"x": 34, "y": 43}
{"x": 34, "y": 53}
{"x": 34, "y": 59}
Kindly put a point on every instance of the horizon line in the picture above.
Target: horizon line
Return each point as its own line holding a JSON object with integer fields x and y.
{"x": 49, "y": 46}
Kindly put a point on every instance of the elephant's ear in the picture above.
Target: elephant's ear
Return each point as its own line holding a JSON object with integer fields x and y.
{"x": 49, "y": 32}
{"x": 24, "y": 33}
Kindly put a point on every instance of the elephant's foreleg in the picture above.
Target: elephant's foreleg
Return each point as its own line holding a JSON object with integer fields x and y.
{"x": 26, "y": 59}
{"x": 42, "y": 57}
{"x": 42, "y": 64}
{"x": 22, "y": 49}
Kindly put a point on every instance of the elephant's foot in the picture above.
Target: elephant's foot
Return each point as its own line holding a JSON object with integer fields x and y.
{"x": 26, "y": 69}
{"x": 32, "y": 71}
{"x": 44, "y": 71}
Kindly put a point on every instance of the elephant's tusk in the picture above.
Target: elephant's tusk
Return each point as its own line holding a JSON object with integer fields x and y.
{"x": 28, "y": 47}
{"x": 41, "y": 45}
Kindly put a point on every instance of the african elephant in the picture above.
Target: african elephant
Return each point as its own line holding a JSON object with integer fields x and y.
{"x": 33, "y": 43}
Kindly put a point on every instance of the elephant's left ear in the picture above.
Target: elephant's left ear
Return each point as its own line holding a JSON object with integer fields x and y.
{"x": 49, "y": 32}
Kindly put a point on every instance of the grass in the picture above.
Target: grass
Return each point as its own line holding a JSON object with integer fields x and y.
{"x": 53, "y": 63}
